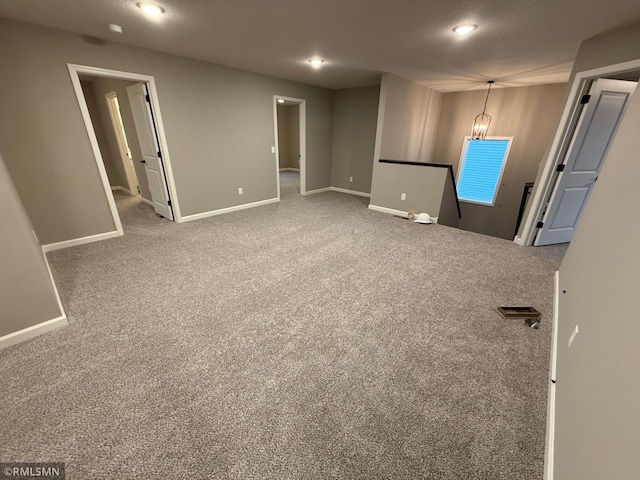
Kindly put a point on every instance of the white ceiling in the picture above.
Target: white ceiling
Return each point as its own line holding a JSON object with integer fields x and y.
{"x": 518, "y": 42}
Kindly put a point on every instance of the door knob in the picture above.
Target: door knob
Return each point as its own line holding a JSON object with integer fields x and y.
{"x": 591, "y": 182}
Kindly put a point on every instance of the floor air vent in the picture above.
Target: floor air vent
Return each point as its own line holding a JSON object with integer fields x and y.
{"x": 530, "y": 315}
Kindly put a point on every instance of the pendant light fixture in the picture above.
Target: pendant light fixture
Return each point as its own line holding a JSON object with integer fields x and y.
{"x": 482, "y": 120}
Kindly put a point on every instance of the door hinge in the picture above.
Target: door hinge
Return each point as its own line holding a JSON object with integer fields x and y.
{"x": 143, "y": 161}
{"x": 146, "y": 97}
{"x": 169, "y": 202}
{"x": 585, "y": 99}
{"x": 159, "y": 154}
{"x": 539, "y": 224}
{"x": 560, "y": 168}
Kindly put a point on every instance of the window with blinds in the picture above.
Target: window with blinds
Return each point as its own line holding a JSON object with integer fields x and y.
{"x": 481, "y": 165}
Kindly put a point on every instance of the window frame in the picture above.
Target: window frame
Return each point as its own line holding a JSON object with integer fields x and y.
{"x": 465, "y": 146}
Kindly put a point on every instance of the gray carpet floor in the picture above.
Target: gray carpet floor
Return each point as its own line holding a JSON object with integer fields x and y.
{"x": 308, "y": 339}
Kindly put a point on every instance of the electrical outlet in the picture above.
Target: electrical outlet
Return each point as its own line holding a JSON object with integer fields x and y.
{"x": 573, "y": 335}
{"x": 403, "y": 196}
{"x": 273, "y": 149}
{"x": 240, "y": 191}
{"x": 350, "y": 179}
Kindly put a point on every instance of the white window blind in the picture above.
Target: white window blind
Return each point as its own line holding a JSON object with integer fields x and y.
{"x": 481, "y": 166}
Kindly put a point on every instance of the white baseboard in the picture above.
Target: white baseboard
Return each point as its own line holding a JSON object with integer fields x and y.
{"x": 33, "y": 331}
{"x": 551, "y": 395}
{"x": 351, "y": 192}
{"x": 222, "y": 211}
{"x": 319, "y": 190}
{"x": 121, "y": 189}
{"x": 289, "y": 169}
{"x": 144, "y": 200}
{"x": 518, "y": 241}
{"x": 80, "y": 241}
{"x": 399, "y": 213}
{"x": 53, "y": 283}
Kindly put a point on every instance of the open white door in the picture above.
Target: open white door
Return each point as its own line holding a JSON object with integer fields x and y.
{"x": 151, "y": 155}
{"x": 589, "y": 146}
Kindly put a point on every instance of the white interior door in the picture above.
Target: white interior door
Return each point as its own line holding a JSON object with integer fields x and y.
{"x": 586, "y": 154}
{"x": 151, "y": 156}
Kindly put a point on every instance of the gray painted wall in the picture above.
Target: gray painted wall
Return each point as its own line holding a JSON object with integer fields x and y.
{"x": 598, "y": 387}
{"x": 289, "y": 135}
{"x": 423, "y": 186}
{"x": 528, "y": 114}
{"x": 406, "y": 128}
{"x": 27, "y": 294}
{"x": 218, "y": 124}
{"x": 355, "y": 116}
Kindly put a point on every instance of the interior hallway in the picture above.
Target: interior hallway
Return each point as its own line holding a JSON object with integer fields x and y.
{"x": 133, "y": 211}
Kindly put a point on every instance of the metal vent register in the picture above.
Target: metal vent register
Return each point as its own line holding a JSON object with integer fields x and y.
{"x": 530, "y": 315}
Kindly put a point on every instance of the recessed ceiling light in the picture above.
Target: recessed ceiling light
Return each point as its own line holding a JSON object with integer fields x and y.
{"x": 114, "y": 28}
{"x": 280, "y": 100}
{"x": 465, "y": 29}
{"x": 151, "y": 9}
{"x": 316, "y": 62}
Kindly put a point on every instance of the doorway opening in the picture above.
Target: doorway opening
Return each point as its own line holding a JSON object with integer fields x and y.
{"x": 289, "y": 119}
{"x": 550, "y": 181}
{"x": 120, "y": 133}
{"x": 132, "y": 156}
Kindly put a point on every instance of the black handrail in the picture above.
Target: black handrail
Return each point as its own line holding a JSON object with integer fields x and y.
{"x": 440, "y": 165}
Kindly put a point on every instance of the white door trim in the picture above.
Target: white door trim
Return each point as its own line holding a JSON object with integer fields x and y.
{"x": 74, "y": 72}
{"x": 302, "y": 132}
{"x": 543, "y": 188}
{"x": 122, "y": 141}
{"x": 551, "y": 394}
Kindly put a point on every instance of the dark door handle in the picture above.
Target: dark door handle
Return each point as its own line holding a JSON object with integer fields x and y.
{"x": 143, "y": 161}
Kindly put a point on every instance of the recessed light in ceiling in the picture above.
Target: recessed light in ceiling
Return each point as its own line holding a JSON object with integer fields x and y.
{"x": 150, "y": 9}
{"x": 464, "y": 29}
{"x": 316, "y": 62}
{"x": 280, "y": 100}
{"x": 114, "y": 28}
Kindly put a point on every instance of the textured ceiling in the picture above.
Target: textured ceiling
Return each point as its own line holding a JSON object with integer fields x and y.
{"x": 518, "y": 42}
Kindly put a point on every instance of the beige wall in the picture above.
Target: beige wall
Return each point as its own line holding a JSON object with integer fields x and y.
{"x": 598, "y": 386}
{"x": 410, "y": 120}
{"x": 406, "y": 127}
{"x": 112, "y": 165}
{"x": 27, "y": 294}
{"x": 289, "y": 135}
{"x": 529, "y": 115}
{"x": 218, "y": 124}
{"x": 617, "y": 46}
{"x": 355, "y": 115}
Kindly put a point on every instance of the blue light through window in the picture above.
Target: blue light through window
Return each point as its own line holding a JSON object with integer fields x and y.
{"x": 480, "y": 169}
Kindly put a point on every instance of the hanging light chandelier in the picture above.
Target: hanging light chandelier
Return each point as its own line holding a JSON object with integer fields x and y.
{"x": 482, "y": 120}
